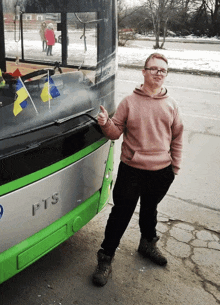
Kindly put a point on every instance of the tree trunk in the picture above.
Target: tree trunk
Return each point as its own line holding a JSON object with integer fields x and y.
{"x": 164, "y": 33}
{"x": 214, "y": 18}
{"x": 157, "y": 42}
{"x": 155, "y": 25}
{"x": 157, "y": 32}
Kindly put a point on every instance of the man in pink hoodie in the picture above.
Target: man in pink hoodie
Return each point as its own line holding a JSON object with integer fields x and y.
{"x": 150, "y": 158}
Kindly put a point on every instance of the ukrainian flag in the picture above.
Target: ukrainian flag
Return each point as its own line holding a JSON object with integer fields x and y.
{"x": 20, "y": 103}
{"x": 49, "y": 90}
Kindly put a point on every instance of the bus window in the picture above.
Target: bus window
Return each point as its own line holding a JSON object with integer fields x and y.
{"x": 82, "y": 44}
{"x": 31, "y": 46}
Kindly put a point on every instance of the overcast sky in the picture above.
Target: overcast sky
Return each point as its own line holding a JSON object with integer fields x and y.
{"x": 133, "y": 2}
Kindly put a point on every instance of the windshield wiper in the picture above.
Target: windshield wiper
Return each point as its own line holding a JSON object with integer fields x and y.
{"x": 56, "y": 122}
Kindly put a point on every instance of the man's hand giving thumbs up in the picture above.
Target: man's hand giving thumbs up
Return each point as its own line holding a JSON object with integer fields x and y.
{"x": 102, "y": 116}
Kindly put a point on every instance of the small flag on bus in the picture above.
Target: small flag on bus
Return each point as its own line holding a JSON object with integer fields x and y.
{"x": 49, "y": 91}
{"x": 21, "y": 94}
{"x": 16, "y": 73}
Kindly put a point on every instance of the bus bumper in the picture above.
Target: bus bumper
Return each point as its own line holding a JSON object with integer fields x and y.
{"x": 22, "y": 255}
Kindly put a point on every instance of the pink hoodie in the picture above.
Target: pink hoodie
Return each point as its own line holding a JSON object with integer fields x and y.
{"x": 152, "y": 131}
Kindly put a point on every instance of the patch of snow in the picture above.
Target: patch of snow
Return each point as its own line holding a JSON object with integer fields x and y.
{"x": 178, "y": 59}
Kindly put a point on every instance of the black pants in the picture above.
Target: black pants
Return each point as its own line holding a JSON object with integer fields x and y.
{"x": 132, "y": 183}
{"x": 49, "y": 50}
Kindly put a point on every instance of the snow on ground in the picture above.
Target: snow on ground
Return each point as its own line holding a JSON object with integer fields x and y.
{"x": 207, "y": 61}
{"x": 33, "y": 50}
{"x": 178, "y": 59}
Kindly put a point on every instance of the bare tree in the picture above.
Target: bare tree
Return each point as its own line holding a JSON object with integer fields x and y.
{"x": 161, "y": 11}
{"x": 122, "y": 12}
{"x": 125, "y": 11}
{"x": 125, "y": 14}
{"x": 212, "y": 7}
{"x": 180, "y": 18}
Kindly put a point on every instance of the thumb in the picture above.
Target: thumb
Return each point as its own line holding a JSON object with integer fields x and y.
{"x": 102, "y": 109}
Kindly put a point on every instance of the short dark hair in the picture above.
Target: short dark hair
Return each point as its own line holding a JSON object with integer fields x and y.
{"x": 156, "y": 55}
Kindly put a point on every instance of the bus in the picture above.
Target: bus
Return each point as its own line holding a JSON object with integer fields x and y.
{"x": 55, "y": 163}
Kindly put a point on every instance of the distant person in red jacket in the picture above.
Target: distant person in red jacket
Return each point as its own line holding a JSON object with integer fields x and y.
{"x": 151, "y": 151}
{"x": 50, "y": 38}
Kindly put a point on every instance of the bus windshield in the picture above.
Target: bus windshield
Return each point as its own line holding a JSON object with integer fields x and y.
{"x": 72, "y": 53}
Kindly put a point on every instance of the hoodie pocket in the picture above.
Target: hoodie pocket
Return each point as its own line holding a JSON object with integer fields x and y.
{"x": 151, "y": 160}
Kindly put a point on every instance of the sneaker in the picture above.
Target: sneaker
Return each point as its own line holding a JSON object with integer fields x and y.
{"x": 150, "y": 250}
{"x": 103, "y": 269}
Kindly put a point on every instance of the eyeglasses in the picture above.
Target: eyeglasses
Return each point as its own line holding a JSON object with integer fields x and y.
{"x": 155, "y": 71}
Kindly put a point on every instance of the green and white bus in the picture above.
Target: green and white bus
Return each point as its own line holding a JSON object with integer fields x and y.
{"x": 55, "y": 163}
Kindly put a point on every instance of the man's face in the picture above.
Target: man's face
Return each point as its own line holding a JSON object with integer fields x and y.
{"x": 155, "y": 81}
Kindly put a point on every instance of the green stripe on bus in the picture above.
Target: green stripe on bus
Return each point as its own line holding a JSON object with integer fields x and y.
{"x": 31, "y": 249}
{"x": 21, "y": 182}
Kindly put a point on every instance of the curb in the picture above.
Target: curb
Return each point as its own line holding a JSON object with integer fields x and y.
{"x": 191, "y": 71}
{"x": 182, "y": 40}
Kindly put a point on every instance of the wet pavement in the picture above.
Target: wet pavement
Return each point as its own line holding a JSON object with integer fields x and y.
{"x": 189, "y": 238}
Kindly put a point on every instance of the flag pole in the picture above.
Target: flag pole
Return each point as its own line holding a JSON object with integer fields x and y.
{"x": 28, "y": 95}
{"x": 48, "y": 86}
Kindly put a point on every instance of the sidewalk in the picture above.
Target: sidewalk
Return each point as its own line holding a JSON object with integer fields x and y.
{"x": 192, "y": 275}
{"x": 189, "y": 238}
